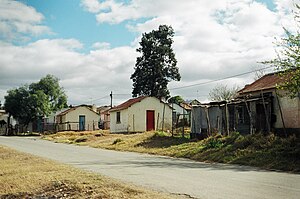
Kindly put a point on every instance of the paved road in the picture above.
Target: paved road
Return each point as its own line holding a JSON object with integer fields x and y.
{"x": 199, "y": 180}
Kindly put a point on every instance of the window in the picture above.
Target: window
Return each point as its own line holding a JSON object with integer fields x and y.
{"x": 118, "y": 117}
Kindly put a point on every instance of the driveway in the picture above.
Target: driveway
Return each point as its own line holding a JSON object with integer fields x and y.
{"x": 177, "y": 176}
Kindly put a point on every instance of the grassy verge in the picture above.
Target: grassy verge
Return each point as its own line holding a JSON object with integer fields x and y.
{"x": 26, "y": 176}
{"x": 269, "y": 152}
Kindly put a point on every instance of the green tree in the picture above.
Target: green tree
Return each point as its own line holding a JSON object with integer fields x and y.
{"x": 54, "y": 94}
{"x": 156, "y": 67}
{"x": 27, "y": 103}
{"x": 222, "y": 92}
{"x": 176, "y": 99}
{"x": 19, "y": 104}
{"x": 288, "y": 60}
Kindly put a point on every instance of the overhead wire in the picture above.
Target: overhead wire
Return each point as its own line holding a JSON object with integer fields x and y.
{"x": 220, "y": 79}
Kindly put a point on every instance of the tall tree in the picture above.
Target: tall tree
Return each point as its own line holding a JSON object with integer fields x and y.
{"x": 54, "y": 93}
{"x": 288, "y": 59}
{"x": 156, "y": 67}
{"x": 222, "y": 92}
{"x": 27, "y": 103}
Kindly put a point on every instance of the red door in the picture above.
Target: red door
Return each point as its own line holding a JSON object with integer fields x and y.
{"x": 150, "y": 121}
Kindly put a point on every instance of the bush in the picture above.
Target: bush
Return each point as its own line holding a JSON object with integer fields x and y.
{"x": 213, "y": 142}
{"x": 116, "y": 141}
{"x": 80, "y": 139}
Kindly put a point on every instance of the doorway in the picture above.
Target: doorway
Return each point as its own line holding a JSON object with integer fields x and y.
{"x": 81, "y": 122}
{"x": 150, "y": 118}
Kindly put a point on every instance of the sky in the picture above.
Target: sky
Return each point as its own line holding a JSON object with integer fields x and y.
{"x": 90, "y": 45}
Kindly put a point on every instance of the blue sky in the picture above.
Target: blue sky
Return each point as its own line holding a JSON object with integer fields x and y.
{"x": 68, "y": 19}
{"x": 90, "y": 45}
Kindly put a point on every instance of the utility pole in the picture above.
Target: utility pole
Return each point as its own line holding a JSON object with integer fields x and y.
{"x": 111, "y": 98}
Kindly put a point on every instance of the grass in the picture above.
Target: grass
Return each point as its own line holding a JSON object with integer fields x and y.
{"x": 268, "y": 152}
{"x": 27, "y": 176}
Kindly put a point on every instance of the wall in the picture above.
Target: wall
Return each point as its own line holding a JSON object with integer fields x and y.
{"x": 137, "y": 115}
{"x": 133, "y": 119}
{"x": 91, "y": 119}
{"x": 290, "y": 111}
{"x": 123, "y": 125}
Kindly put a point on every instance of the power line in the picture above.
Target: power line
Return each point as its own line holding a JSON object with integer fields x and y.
{"x": 101, "y": 98}
{"x": 216, "y": 80}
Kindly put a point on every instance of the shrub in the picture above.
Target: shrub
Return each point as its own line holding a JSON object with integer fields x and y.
{"x": 80, "y": 139}
{"x": 213, "y": 142}
{"x": 116, "y": 141}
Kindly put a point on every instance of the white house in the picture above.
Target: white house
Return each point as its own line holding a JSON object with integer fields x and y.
{"x": 81, "y": 118}
{"x": 141, "y": 114}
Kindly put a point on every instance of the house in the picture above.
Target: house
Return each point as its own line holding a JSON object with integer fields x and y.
{"x": 259, "y": 107}
{"x": 269, "y": 108}
{"x": 78, "y": 118}
{"x": 4, "y": 122}
{"x": 49, "y": 123}
{"x": 141, "y": 114}
{"x": 104, "y": 117}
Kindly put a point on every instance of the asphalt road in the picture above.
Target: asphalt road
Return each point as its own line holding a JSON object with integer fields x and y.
{"x": 178, "y": 176}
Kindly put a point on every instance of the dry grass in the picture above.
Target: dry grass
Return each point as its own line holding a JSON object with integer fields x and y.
{"x": 269, "y": 152}
{"x": 27, "y": 176}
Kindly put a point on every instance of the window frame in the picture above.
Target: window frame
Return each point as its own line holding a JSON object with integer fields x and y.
{"x": 118, "y": 117}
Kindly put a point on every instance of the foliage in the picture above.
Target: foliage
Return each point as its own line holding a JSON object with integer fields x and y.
{"x": 28, "y": 103}
{"x": 222, "y": 92}
{"x": 288, "y": 60}
{"x": 156, "y": 67}
{"x": 55, "y": 94}
{"x": 116, "y": 141}
{"x": 176, "y": 99}
{"x": 20, "y": 104}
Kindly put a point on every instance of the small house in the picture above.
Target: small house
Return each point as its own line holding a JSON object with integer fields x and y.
{"x": 258, "y": 108}
{"x": 141, "y": 114}
{"x": 78, "y": 118}
{"x": 270, "y": 109}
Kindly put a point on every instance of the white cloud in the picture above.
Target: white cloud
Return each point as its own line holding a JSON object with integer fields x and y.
{"x": 213, "y": 39}
{"x": 91, "y": 5}
{"x": 17, "y": 19}
{"x": 83, "y": 76}
{"x": 101, "y": 45}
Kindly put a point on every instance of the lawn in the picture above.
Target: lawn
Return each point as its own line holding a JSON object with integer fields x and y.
{"x": 27, "y": 176}
{"x": 268, "y": 152}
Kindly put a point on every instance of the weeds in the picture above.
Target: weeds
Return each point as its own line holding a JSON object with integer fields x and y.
{"x": 27, "y": 176}
{"x": 270, "y": 152}
{"x": 116, "y": 141}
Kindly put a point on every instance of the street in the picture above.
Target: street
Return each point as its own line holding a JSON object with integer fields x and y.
{"x": 177, "y": 176}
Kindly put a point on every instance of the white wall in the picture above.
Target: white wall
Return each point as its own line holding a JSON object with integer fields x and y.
{"x": 91, "y": 119}
{"x": 290, "y": 110}
{"x": 133, "y": 119}
{"x": 123, "y": 125}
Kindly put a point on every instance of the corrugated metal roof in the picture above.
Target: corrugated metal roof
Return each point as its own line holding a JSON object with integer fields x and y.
{"x": 128, "y": 103}
{"x": 266, "y": 82}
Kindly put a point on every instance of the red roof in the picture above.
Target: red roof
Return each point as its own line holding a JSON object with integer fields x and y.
{"x": 269, "y": 81}
{"x": 128, "y": 103}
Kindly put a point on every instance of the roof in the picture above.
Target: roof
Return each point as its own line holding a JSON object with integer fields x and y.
{"x": 128, "y": 103}
{"x": 269, "y": 81}
{"x": 74, "y": 108}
